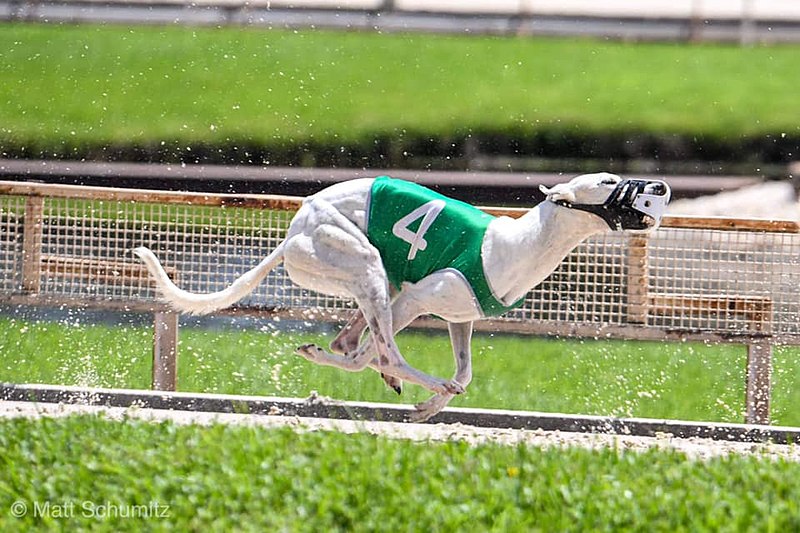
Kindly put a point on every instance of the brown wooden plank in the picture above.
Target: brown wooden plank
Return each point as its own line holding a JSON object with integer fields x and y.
{"x": 638, "y": 276}
{"x": 32, "y": 244}
{"x": 759, "y": 383}
{"x": 98, "y": 269}
{"x": 756, "y": 310}
{"x": 691, "y": 222}
{"x": 253, "y": 201}
{"x": 716, "y": 303}
{"x": 292, "y": 203}
{"x": 165, "y": 351}
{"x": 730, "y": 224}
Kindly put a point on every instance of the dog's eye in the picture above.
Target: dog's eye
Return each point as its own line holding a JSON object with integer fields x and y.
{"x": 609, "y": 181}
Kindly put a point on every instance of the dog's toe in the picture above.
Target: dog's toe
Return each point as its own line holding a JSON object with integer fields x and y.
{"x": 420, "y": 415}
{"x": 451, "y": 387}
{"x": 393, "y": 383}
{"x": 454, "y": 387}
{"x": 304, "y": 348}
{"x": 309, "y": 351}
{"x": 428, "y": 408}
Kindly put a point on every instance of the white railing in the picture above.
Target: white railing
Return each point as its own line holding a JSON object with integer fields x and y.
{"x": 745, "y": 21}
{"x": 779, "y": 10}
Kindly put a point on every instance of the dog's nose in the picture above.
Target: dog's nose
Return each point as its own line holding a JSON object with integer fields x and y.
{"x": 656, "y": 187}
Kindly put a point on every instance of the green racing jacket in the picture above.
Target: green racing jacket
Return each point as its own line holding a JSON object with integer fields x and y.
{"x": 419, "y": 231}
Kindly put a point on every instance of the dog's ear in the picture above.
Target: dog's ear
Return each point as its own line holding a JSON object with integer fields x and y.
{"x": 562, "y": 192}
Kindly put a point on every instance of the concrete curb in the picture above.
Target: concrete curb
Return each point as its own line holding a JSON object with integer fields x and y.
{"x": 318, "y": 407}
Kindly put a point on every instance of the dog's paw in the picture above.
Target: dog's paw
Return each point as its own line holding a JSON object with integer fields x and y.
{"x": 429, "y": 408}
{"x": 309, "y": 351}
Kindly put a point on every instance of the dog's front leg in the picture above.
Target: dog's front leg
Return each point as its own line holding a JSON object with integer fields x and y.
{"x": 461, "y": 339}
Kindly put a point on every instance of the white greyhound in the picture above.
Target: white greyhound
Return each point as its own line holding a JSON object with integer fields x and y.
{"x": 402, "y": 251}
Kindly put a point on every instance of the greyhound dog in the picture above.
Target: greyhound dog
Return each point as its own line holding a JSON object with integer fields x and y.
{"x": 402, "y": 251}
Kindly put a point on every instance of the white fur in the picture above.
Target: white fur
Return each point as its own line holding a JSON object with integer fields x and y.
{"x": 326, "y": 250}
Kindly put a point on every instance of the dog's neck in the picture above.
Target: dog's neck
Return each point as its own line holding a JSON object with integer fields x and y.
{"x": 519, "y": 254}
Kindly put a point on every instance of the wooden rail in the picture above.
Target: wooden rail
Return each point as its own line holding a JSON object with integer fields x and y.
{"x": 98, "y": 270}
{"x": 291, "y": 203}
{"x": 691, "y": 222}
{"x": 757, "y": 311}
{"x": 252, "y": 201}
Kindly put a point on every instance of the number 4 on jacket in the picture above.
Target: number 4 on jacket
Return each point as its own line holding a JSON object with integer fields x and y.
{"x": 428, "y": 212}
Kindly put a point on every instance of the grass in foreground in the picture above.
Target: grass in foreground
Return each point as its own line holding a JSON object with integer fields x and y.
{"x": 226, "y": 478}
{"x": 72, "y": 85}
{"x": 642, "y": 379}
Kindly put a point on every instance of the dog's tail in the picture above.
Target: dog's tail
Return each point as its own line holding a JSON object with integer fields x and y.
{"x": 201, "y": 304}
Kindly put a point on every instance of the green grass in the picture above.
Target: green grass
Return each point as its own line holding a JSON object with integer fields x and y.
{"x": 75, "y": 85}
{"x": 643, "y": 379}
{"x": 234, "y": 478}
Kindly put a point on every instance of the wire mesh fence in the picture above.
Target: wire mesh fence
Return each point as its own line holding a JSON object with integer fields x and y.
{"x": 714, "y": 277}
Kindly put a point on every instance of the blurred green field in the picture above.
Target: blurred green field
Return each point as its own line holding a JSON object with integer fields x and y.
{"x": 67, "y": 86}
{"x": 642, "y": 379}
{"x": 229, "y": 478}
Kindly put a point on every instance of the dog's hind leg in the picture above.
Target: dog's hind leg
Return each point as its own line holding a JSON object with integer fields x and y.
{"x": 349, "y": 337}
{"x": 440, "y": 293}
{"x": 377, "y": 313}
{"x": 372, "y": 294}
{"x": 347, "y": 341}
{"x": 445, "y": 293}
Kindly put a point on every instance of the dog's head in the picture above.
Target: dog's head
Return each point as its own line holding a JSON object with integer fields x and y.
{"x": 623, "y": 204}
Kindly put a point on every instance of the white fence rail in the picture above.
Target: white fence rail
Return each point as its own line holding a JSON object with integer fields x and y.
{"x": 778, "y": 10}
{"x": 745, "y": 21}
{"x": 722, "y": 280}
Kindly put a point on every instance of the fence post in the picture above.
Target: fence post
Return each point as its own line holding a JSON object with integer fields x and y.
{"x": 638, "y": 274}
{"x": 748, "y": 24}
{"x": 32, "y": 244}
{"x": 696, "y": 22}
{"x": 165, "y": 351}
{"x": 759, "y": 382}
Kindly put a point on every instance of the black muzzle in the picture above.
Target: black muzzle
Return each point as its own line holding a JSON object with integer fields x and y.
{"x": 629, "y": 206}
